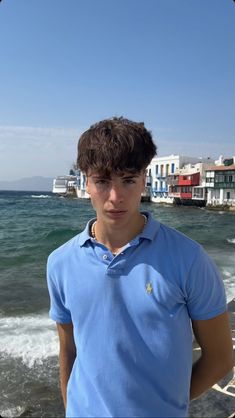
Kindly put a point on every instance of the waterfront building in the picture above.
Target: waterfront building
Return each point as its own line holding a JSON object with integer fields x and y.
{"x": 220, "y": 182}
{"x": 163, "y": 172}
{"x": 188, "y": 185}
{"x": 81, "y": 185}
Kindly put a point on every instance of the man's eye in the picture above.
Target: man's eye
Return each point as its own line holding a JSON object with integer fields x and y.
{"x": 101, "y": 181}
{"x": 129, "y": 181}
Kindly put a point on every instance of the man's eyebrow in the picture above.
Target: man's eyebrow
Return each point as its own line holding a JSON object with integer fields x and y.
{"x": 105, "y": 177}
{"x": 99, "y": 176}
{"x": 130, "y": 176}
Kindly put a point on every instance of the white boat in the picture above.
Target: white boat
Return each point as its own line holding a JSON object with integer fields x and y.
{"x": 65, "y": 185}
{"x": 71, "y": 186}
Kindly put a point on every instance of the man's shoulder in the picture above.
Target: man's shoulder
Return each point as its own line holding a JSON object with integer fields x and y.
{"x": 176, "y": 237}
{"x": 169, "y": 239}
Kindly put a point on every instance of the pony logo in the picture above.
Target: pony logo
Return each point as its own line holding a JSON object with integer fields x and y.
{"x": 149, "y": 288}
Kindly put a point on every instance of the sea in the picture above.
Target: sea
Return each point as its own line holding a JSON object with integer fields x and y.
{"x": 32, "y": 224}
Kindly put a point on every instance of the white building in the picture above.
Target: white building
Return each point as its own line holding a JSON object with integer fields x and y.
{"x": 220, "y": 183}
{"x": 81, "y": 186}
{"x": 160, "y": 168}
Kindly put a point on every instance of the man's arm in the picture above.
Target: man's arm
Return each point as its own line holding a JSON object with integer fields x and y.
{"x": 214, "y": 338}
{"x": 67, "y": 356}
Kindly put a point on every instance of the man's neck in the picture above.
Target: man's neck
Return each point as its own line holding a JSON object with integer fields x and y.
{"x": 116, "y": 237}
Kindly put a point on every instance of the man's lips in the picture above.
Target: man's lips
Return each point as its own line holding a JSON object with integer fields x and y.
{"x": 116, "y": 211}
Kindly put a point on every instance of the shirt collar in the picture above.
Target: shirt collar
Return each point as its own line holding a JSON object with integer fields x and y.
{"x": 84, "y": 236}
{"x": 151, "y": 228}
{"x": 149, "y": 232}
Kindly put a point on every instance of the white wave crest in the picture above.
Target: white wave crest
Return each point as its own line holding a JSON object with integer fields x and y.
{"x": 12, "y": 412}
{"x": 31, "y": 338}
{"x": 231, "y": 240}
{"x": 40, "y": 196}
{"x": 227, "y": 273}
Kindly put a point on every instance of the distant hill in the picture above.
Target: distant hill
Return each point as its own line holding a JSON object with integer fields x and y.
{"x": 36, "y": 184}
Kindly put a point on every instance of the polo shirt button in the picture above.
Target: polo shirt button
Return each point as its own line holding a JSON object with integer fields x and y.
{"x": 105, "y": 257}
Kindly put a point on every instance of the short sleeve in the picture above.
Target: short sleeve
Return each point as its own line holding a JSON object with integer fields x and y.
{"x": 206, "y": 296}
{"x": 58, "y": 311}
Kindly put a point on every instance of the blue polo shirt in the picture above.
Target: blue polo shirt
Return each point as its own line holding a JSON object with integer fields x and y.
{"x": 132, "y": 320}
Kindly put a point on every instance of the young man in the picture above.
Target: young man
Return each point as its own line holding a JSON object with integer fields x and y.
{"x": 127, "y": 291}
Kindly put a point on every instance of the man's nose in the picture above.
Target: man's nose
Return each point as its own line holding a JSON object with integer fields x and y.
{"x": 116, "y": 194}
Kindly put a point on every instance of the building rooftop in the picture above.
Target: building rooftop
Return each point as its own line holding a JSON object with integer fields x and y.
{"x": 221, "y": 167}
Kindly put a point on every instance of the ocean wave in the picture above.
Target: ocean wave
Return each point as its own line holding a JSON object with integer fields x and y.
{"x": 66, "y": 233}
{"x": 31, "y": 338}
{"x": 227, "y": 273}
{"x": 11, "y": 412}
{"x": 231, "y": 240}
{"x": 40, "y": 196}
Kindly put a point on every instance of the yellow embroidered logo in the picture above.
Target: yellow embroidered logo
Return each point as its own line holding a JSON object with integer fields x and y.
{"x": 149, "y": 288}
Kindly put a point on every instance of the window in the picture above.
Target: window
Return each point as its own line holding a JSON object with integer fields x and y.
{"x": 228, "y": 195}
{"x": 156, "y": 169}
{"x": 172, "y": 168}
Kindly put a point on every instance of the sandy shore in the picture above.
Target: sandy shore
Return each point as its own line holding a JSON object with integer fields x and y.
{"x": 216, "y": 403}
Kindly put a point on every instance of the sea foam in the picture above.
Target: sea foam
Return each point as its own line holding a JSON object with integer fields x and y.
{"x": 41, "y": 196}
{"x": 231, "y": 240}
{"x": 12, "y": 412}
{"x": 32, "y": 338}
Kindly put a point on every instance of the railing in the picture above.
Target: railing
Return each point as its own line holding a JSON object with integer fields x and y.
{"x": 161, "y": 176}
{"x": 224, "y": 185}
{"x": 171, "y": 181}
{"x": 171, "y": 194}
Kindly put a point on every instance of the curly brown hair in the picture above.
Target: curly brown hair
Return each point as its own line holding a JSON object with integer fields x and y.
{"x": 115, "y": 145}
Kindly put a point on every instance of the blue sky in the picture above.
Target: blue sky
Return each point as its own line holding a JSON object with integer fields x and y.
{"x": 66, "y": 64}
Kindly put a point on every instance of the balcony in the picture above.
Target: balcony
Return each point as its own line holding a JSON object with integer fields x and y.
{"x": 180, "y": 195}
{"x": 172, "y": 180}
{"x": 189, "y": 180}
{"x": 174, "y": 194}
{"x": 224, "y": 185}
{"x": 161, "y": 176}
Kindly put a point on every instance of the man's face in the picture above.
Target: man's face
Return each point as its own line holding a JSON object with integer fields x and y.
{"x": 116, "y": 198}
